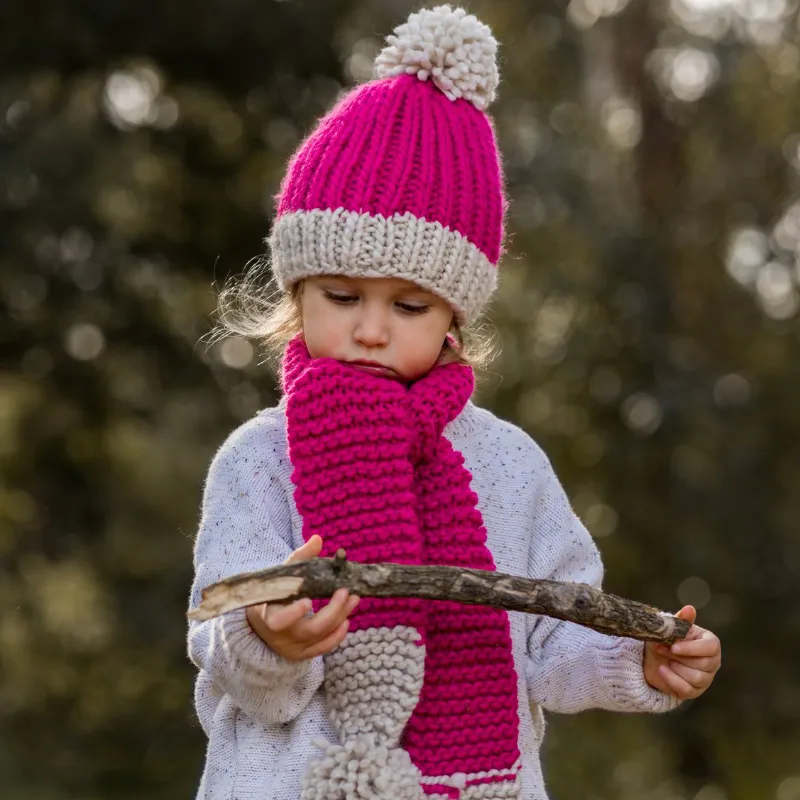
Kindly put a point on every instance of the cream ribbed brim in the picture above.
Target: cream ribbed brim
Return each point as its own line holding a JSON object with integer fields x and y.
{"x": 328, "y": 242}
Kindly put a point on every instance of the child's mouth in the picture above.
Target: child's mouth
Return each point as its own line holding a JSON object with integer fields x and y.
{"x": 376, "y": 369}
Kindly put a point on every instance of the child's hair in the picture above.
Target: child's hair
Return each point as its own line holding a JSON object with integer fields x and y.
{"x": 253, "y": 306}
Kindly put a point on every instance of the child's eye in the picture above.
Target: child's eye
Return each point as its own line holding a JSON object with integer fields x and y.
{"x": 342, "y": 299}
{"x": 408, "y": 308}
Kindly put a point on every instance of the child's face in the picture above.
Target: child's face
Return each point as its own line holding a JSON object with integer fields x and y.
{"x": 386, "y": 321}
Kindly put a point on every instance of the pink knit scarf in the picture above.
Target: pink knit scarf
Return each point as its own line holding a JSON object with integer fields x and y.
{"x": 423, "y": 695}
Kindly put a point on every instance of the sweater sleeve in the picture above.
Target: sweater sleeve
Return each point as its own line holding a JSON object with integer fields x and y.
{"x": 245, "y": 526}
{"x": 571, "y": 668}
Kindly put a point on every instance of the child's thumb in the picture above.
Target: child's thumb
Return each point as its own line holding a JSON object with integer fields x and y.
{"x": 310, "y": 549}
{"x": 687, "y": 613}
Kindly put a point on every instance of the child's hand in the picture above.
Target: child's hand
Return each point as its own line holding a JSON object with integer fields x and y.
{"x": 289, "y": 631}
{"x": 685, "y": 669}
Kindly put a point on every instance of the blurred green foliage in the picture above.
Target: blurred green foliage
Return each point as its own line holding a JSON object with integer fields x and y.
{"x": 647, "y": 317}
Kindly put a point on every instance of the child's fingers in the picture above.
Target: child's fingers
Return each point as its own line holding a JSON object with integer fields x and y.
{"x": 327, "y": 620}
{"x": 694, "y": 677}
{"x": 327, "y": 644}
{"x": 279, "y": 618}
{"x": 709, "y": 665}
{"x": 352, "y": 603}
{"x": 676, "y": 685}
{"x": 695, "y": 632}
{"x": 704, "y": 647}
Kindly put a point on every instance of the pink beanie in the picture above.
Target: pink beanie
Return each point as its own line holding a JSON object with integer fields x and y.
{"x": 402, "y": 178}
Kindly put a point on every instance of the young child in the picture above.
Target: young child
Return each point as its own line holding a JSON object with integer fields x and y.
{"x": 386, "y": 243}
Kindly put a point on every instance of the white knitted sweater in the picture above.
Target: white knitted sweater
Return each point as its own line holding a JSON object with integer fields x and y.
{"x": 261, "y": 712}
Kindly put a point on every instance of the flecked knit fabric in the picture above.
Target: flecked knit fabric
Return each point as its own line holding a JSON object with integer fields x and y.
{"x": 375, "y": 476}
{"x": 261, "y": 713}
{"x": 402, "y": 178}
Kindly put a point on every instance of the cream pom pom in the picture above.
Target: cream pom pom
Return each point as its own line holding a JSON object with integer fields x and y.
{"x": 452, "y": 48}
{"x": 361, "y": 769}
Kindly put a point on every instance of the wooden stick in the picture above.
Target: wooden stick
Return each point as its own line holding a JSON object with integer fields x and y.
{"x": 321, "y": 577}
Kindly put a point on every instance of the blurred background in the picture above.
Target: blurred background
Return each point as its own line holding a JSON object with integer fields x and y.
{"x": 648, "y": 319}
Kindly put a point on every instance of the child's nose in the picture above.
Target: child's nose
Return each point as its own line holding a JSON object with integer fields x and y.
{"x": 372, "y": 328}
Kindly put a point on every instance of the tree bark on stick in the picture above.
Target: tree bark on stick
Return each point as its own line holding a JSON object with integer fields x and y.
{"x": 321, "y": 577}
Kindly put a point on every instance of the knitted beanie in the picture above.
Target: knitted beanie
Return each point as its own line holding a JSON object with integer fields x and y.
{"x": 402, "y": 178}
